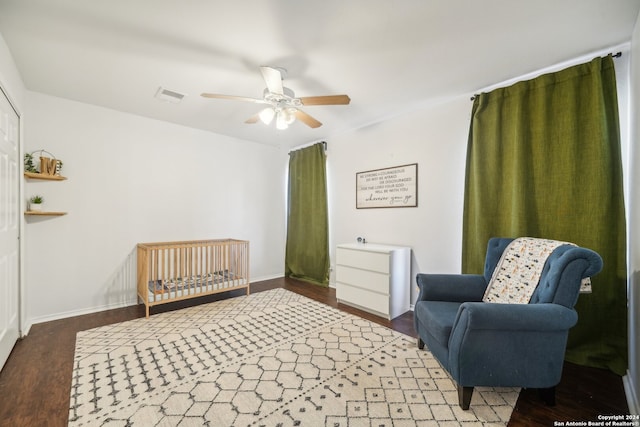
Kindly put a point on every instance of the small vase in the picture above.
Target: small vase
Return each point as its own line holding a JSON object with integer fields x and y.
{"x": 37, "y": 207}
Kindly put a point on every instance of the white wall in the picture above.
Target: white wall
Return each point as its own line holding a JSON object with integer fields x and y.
{"x": 130, "y": 180}
{"x": 435, "y": 138}
{"x": 632, "y": 379}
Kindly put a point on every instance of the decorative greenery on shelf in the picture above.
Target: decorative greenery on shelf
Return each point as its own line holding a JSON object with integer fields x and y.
{"x": 36, "y": 200}
{"x": 28, "y": 163}
{"x": 29, "y": 166}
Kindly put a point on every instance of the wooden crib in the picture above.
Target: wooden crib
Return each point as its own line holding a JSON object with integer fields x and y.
{"x": 174, "y": 271}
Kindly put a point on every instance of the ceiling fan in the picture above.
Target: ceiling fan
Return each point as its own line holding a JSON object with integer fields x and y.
{"x": 282, "y": 102}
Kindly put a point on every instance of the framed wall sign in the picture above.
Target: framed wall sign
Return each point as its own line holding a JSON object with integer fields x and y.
{"x": 395, "y": 187}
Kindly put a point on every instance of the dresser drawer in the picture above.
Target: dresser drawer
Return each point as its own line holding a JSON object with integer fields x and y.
{"x": 369, "y": 280}
{"x": 370, "y": 301}
{"x": 372, "y": 261}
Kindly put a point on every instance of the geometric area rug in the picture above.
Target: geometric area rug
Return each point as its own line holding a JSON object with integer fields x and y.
{"x": 272, "y": 358}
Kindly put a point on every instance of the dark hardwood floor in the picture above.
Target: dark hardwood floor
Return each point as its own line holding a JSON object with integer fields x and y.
{"x": 36, "y": 380}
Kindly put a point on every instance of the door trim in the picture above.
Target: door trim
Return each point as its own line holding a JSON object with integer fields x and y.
{"x": 20, "y": 181}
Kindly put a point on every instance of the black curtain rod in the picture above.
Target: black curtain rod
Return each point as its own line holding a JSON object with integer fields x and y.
{"x": 613, "y": 55}
{"x": 324, "y": 145}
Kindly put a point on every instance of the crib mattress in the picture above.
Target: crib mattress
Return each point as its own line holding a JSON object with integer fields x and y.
{"x": 160, "y": 290}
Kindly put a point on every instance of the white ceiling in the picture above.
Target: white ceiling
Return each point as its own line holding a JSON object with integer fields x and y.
{"x": 389, "y": 56}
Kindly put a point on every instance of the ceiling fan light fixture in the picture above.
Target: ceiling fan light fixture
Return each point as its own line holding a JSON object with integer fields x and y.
{"x": 290, "y": 115}
{"x": 281, "y": 121}
{"x": 266, "y": 115}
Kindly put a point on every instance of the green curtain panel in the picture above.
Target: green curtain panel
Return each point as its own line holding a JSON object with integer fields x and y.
{"x": 307, "y": 250}
{"x": 543, "y": 160}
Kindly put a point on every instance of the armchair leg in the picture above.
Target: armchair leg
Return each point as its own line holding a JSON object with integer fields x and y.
{"x": 464, "y": 396}
{"x": 548, "y": 395}
{"x": 420, "y": 343}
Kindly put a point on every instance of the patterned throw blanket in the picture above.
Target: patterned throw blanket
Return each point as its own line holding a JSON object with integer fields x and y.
{"x": 517, "y": 274}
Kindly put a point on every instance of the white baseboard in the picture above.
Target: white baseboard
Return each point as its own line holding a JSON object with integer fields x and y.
{"x": 263, "y": 278}
{"x": 25, "y": 330}
{"x": 72, "y": 313}
{"x": 630, "y": 390}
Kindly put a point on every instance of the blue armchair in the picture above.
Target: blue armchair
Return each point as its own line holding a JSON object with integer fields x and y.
{"x": 503, "y": 345}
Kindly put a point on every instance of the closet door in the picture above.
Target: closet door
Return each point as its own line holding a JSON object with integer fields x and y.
{"x": 9, "y": 228}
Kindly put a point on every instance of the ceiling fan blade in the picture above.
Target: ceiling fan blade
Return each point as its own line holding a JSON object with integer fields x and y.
{"x": 265, "y": 116}
{"x": 253, "y": 119}
{"x": 273, "y": 79}
{"x": 307, "y": 119}
{"x": 326, "y": 100}
{"x": 234, "y": 98}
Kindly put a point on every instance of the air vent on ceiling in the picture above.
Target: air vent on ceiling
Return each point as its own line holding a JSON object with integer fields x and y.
{"x": 169, "y": 95}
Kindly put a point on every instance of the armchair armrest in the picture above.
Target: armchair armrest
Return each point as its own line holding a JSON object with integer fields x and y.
{"x": 450, "y": 287}
{"x": 515, "y": 317}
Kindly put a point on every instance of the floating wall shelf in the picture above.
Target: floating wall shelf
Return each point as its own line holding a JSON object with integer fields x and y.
{"x": 44, "y": 213}
{"x": 33, "y": 175}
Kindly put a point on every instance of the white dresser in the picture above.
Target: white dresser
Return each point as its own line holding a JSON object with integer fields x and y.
{"x": 374, "y": 278}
